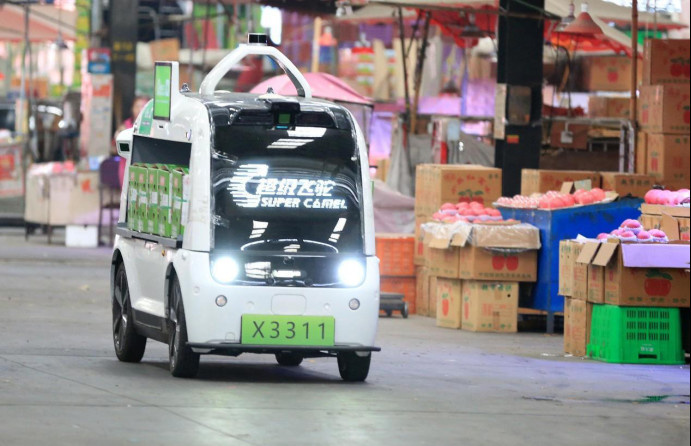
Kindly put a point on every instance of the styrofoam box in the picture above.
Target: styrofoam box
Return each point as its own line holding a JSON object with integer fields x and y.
{"x": 81, "y": 236}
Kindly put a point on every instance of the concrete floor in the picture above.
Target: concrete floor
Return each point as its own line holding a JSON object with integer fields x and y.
{"x": 60, "y": 382}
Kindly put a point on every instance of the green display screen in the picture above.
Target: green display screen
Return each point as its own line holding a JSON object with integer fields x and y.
{"x": 284, "y": 118}
{"x": 162, "y": 88}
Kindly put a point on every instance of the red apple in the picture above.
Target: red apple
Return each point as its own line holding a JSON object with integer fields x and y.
{"x": 512, "y": 263}
{"x": 498, "y": 262}
{"x": 676, "y": 70}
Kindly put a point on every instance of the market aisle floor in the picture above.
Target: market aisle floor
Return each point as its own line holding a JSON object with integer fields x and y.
{"x": 60, "y": 382}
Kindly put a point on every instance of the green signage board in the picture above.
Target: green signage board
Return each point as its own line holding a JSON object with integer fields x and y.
{"x": 147, "y": 119}
{"x": 162, "y": 90}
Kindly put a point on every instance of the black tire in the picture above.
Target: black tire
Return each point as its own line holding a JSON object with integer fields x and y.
{"x": 388, "y": 313}
{"x": 129, "y": 345}
{"x": 183, "y": 362}
{"x": 404, "y": 311}
{"x": 352, "y": 367}
{"x": 289, "y": 359}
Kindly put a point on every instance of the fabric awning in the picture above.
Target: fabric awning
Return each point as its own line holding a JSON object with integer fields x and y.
{"x": 324, "y": 86}
{"x": 44, "y": 23}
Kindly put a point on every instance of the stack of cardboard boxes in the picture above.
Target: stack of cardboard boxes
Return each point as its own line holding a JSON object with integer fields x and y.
{"x": 539, "y": 181}
{"x": 475, "y": 272}
{"x": 623, "y": 274}
{"x": 158, "y": 196}
{"x": 663, "y": 115}
{"x": 396, "y": 267}
{"x": 436, "y": 184}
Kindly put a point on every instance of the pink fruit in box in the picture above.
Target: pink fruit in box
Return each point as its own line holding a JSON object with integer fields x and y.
{"x": 664, "y": 197}
{"x": 494, "y": 212}
{"x": 446, "y": 206}
{"x": 617, "y": 232}
{"x": 462, "y": 205}
{"x": 644, "y": 236}
{"x": 603, "y": 236}
{"x": 569, "y": 200}
{"x": 650, "y": 196}
{"x": 465, "y": 212}
{"x": 627, "y": 236}
{"x": 598, "y": 194}
{"x": 476, "y": 205}
{"x": 449, "y": 211}
{"x": 437, "y": 216}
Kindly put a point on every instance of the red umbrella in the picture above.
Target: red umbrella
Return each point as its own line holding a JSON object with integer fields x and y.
{"x": 324, "y": 86}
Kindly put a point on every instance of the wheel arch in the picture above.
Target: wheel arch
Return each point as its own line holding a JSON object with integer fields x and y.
{"x": 116, "y": 260}
{"x": 170, "y": 275}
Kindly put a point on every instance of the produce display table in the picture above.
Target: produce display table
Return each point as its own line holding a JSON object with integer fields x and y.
{"x": 561, "y": 224}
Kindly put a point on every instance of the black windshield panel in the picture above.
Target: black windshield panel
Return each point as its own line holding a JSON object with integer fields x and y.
{"x": 286, "y": 191}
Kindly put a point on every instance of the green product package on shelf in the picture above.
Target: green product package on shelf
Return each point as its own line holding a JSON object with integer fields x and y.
{"x": 152, "y": 203}
{"x": 157, "y": 199}
{"x": 132, "y": 193}
{"x": 180, "y": 190}
{"x": 142, "y": 198}
{"x": 165, "y": 215}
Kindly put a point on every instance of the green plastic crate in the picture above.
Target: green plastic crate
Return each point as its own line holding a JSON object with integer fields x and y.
{"x": 636, "y": 335}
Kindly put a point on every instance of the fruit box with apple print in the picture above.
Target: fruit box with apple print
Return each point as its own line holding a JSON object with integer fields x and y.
{"x": 645, "y": 274}
{"x": 489, "y": 252}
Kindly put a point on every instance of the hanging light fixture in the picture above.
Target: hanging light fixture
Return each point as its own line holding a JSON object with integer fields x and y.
{"x": 471, "y": 30}
{"x": 584, "y": 25}
{"x": 566, "y": 21}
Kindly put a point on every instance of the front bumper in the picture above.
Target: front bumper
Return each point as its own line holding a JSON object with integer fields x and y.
{"x": 219, "y": 328}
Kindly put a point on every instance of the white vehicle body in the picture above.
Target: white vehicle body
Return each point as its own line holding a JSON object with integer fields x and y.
{"x": 151, "y": 262}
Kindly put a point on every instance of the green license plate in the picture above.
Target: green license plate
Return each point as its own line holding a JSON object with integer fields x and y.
{"x": 259, "y": 329}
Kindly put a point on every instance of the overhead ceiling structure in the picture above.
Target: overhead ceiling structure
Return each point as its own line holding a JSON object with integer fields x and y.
{"x": 44, "y": 23}
{"x": 456, "y": 17}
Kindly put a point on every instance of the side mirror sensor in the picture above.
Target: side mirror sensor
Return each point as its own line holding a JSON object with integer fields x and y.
{"x": 123, "y": 143}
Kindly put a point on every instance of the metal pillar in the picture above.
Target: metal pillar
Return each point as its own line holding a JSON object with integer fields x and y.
{"x": 519, "y": 64}
{"x": 123, "y": 45}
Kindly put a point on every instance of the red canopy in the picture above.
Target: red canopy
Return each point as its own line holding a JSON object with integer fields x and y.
{"x": 324, "y": 86}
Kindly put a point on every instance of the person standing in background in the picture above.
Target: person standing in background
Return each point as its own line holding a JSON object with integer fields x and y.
{"x": 137, "y": 106}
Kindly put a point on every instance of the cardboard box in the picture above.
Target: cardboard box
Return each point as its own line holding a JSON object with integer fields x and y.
{"x": 541, "y": 181}
{"x": 624, "y": 184}
{"x": 180, "y": 194}
{"x": 436, "y": 184}
{"x": 395, "y": 252}
{"x": 666, "y": 61}
{"x": 609, "y": 107}
{"x": 641, "y": 166}
{"x": 607, "y": 73}
{"x": 402, "y": 285}
{"x": 490, "y": 306}
{"x": 673, "y": 220}
{"x": 566, "y": 262}
{"x": 419, "y": 258}
{"x": 645, "y": 274}
{"x": 578, "y": 134}
{"x": 586, "y": 253}
{"x": 664, "y": 109}
{"x": 668, "y": 157}
{"x": 422, "y": 293}
{"x": 448, "y": 294}
{"x": 596, "y": 284}
{"x": 432, "y": 312}
{"x": 577, "y": 318}
{"x": 484, "y": 251}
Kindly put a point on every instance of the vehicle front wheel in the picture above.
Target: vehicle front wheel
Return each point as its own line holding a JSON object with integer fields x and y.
{"x": 184, "y": 363}
{"x": 353, "y": 367}
{"x": 129, "y": 345}
{"x": 289, "y": 359}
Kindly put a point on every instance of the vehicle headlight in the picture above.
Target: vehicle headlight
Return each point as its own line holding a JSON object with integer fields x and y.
{"x": 351, "y": 272}
{"x": 225, "y": 269}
